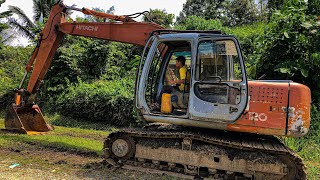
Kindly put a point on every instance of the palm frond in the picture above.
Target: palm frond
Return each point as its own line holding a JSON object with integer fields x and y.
{"x": 7, "y": 38}
{"x": 5, "y": 14}
{"x": 37, "y": 9}
{"x": 22, "y": 16}
{"x": 2, "y": 1}
{"x": 23, "y": 30}
{"x": 42, "y": 8}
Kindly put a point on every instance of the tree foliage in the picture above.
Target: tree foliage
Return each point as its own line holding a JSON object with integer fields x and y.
{"x": 3, "y": 26}
{"x": 41, "y": 9}
{"x": 229, "y": 12}
{"x": 314, "y": 7}
{"x": 89, "y": 59}
{"x": 290, "y": 46}
{"x": 275, "y": 4}
{"x": 24, "y": 25}
{"x": 160, "y": 17}
{"x": 207, "y": 9}
{"x": 12, "y": 67}
{"x": 240, "y": 12}
{"x": 199, "y": 23}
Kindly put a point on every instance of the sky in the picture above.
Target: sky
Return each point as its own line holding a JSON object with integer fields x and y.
{"x": 122, "y": 7}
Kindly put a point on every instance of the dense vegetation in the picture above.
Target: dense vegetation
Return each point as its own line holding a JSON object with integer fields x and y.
{"x": 107, "y": 101}
{"x": 93, "y": 80}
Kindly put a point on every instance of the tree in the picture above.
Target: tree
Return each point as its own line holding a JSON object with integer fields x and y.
{"x": 207, "y": 9}
{"x": 290, "y": 47}
{"x": 160, "y": 17}
{"x": 229, "y": 12}
{"x": 24, "y": 24}
{"x": 199, "y": 23}
{"x": 41, "y": 9}
{"x": 263, "y": 12}
{"x": 3, "y": 26}
{"x": 239, "y": 12}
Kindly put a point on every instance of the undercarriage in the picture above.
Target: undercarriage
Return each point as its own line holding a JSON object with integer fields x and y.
{"x": 202, "y": 153}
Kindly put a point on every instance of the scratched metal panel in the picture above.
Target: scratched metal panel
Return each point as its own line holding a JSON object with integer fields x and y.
{"x": 299, "y": 110}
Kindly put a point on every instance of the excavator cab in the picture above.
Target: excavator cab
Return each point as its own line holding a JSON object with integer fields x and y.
{"x": 216, "y": 87}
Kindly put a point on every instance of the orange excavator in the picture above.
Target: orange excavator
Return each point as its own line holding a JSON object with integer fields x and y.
{"x": 223, "y": 125}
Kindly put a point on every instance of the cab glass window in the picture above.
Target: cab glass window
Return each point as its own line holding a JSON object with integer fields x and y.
{"x": 218, "y": 60}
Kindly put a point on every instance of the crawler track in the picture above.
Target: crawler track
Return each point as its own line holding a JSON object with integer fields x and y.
{"x": 193, "y": 152}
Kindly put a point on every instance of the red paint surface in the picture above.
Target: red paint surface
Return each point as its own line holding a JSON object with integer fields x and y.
{"x": 268, "y": 107}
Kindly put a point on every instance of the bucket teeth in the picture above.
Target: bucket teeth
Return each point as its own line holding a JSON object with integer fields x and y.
{"x": 26, "y": 120}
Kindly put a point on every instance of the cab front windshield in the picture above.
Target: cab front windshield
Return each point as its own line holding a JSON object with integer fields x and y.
{"x": 218, "y": 60}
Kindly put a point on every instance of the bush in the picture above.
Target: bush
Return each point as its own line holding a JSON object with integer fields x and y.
{"x": 248, "y": 36}
{"x": 107, "y": 101}
{"x": 88, "y": 59}
{"x": 12, "y": 68}
{"x": 199, "y": 23}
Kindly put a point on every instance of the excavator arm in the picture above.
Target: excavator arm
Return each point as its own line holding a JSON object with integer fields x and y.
{"x": 127, "y": 31}
{"x": 24, "y": 115}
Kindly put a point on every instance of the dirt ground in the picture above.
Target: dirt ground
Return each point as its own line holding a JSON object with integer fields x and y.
{"x": 49, "y": 164}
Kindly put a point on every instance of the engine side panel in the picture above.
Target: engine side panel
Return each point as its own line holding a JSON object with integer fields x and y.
{"x": 266, "y": 113}
{"x": 269, "y": 104}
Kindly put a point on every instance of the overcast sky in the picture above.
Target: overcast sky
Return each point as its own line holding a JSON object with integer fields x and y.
{"x": 122, "y": 7}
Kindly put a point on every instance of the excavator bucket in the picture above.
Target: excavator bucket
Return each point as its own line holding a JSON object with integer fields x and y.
{"x": 26, "y": 120}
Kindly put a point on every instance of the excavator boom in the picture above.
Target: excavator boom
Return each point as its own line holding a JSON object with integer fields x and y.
{"x": 25, "y": 116}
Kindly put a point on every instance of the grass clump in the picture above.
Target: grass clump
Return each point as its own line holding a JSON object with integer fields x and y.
{"x": 82, "y": 141}
{"x": 59, "y": 120}
{"x": 308, "y": 147}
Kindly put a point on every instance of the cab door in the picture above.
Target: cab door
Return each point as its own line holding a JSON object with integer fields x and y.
{"x": 219, "y": 87}
{"x": 138, "y": 84}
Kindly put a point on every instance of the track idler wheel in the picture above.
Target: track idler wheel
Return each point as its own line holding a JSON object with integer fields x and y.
{"x": 121, "y": 148}
{"x": 295, "y": 170}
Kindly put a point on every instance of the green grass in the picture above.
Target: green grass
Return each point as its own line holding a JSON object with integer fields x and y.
{"x": 62, "y": 143}
{"x": 76, "y": 140}
{"x": 58, "y": 120}
{"x": 309, "y": 150}
{"x": 308, "y": 147}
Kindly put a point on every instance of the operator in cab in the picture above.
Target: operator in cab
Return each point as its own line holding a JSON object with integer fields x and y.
{"x": 180, "y": 95}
